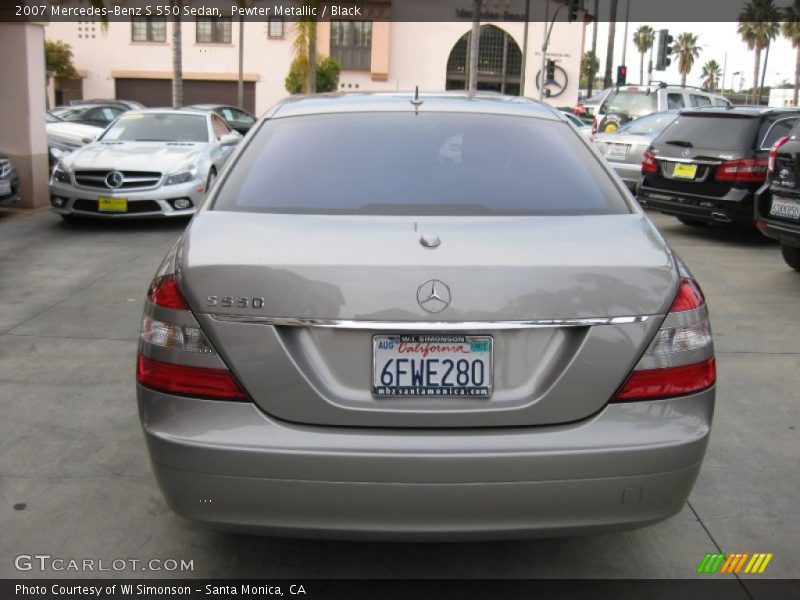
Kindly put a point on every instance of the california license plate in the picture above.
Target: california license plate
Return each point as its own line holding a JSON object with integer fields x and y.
{"x": 106, "y": 204}
{"x": 786, "y": 208}
{"x": 684, "y": 171}
{"x": 454, "y": 366}
{"x": 5, "y": 188}
{"x": 618, "y": 151}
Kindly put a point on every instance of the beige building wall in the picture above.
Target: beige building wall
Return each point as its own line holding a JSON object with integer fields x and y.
{"x": 404, "y": 55}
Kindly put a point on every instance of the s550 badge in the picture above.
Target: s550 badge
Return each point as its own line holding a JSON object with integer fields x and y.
{"x": 231, "y": 302}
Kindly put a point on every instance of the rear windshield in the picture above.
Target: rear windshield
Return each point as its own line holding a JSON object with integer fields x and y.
{"x": 649, "y": 125}
{"x": 430, "y": 163}
{"x": 631, "y": 103}
{"x": 712, "y": 132}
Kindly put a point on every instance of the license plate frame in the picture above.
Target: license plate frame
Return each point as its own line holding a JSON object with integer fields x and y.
{"x": 112, "y": 204}
{"x": 684, "y": 171}
{"x": 445, "y": 384}
{"x": 790, "y": 208}
{"x": 618, "y": 151}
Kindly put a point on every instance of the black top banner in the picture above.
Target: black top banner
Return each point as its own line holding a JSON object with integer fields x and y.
{"x": 386, "y": 10}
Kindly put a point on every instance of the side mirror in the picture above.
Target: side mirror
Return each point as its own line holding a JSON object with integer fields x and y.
{"x": 230, "y": 139}
{"x": 88, "y": 139}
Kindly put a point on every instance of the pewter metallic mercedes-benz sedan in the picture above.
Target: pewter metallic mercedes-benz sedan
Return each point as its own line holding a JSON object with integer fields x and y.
{"x": 150, "y": 163}
{"x": 432, "y": 317}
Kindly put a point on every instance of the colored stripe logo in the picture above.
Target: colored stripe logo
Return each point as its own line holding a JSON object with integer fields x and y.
{"x": 734, "y": 563}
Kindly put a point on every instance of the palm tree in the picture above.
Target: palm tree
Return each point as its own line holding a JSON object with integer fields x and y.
{"x": 686, "y": 50}
{"x": 612, "y": 22}
{"x": 711, "y": 74}
{"x": 758, "y": 26}
{"x": 644, "y": 38}
{"x": 791, "y": 31}
{"x": 177, "y": 60}
{"x": 305, "y": 50}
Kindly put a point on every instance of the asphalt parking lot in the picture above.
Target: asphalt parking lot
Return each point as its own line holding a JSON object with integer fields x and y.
{"x": 75, "y": 480}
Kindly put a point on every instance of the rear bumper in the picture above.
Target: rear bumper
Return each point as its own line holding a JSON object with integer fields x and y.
{"x": 738, "y": 208}
{"x": 785, "y": 232}
{"x": 230, "y": 466}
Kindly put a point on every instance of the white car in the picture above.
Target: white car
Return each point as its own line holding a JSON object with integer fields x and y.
{"x": 64, "y": 137}
{"x": 148, "y": 163}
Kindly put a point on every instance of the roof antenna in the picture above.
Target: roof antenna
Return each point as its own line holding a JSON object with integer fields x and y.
{"x": 416, "y": 101}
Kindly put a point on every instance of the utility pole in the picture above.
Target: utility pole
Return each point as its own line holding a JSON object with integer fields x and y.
{"x": 240, "y": 82}
{"x": 625, "y": 38}
{"x": 524, "y": 48}
{"x": 474, "y": 48}
{"x": 544, "y": 48}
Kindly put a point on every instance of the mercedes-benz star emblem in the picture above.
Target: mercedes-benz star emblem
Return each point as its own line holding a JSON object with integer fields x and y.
{"x": 114, "y": 179}
{"x": 433, "y": 296}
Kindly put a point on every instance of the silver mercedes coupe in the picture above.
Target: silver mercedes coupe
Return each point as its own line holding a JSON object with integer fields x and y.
{"x": 423, "y": 317}
{"x": 147, "y": 163}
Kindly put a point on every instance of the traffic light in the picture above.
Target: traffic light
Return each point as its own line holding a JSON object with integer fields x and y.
{"x": 622, "y": 75}
{"x": 550, "y": 71}
{"x": 573, "y": 7}
{"x": 663, "y": 59}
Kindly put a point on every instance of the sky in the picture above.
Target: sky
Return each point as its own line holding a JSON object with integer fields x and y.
{"x": 714, "y": 39}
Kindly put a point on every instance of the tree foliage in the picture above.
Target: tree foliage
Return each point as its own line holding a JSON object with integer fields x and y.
{"x": 58, "y": 60}
{"x": 327, "y": 79}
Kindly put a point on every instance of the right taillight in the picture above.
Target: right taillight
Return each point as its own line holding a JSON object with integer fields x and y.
{"x": 745, "y": 170}
{"x": 649, "y": 164}
{"x": 175, "y": 357}
{"x": 773, "y": 153}
{"x": 594, "y": 125}
{"x": 680, "y": 358}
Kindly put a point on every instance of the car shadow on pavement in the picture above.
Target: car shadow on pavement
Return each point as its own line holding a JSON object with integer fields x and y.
{"x": 740, "y": 235}
{"x": 134, "y": 225}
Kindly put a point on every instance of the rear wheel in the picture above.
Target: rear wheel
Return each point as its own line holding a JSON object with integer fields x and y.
{"x": 791, "y": 254}
{"x": 692, "y": 222}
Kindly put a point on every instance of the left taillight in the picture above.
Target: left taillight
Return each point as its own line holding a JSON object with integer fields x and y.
{"x": 172, "y": 344}
{"x": 680, "y": 358}
{"x": 649, "y": 163}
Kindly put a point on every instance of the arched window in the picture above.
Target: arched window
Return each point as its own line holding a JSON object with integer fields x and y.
{"x": 499, "y": 62}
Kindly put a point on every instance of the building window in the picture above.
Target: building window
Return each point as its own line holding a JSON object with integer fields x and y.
{"x": 275, "y": 28}
{"x": 216, "y": 31}
{"x": 149, "y": 29}
{"x": 351, "y": 44}
{"x": 499, "y": 62}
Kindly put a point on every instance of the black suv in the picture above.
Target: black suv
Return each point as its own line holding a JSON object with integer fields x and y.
{"x": 777, "y": 206}
{"x": 707, "y": 165}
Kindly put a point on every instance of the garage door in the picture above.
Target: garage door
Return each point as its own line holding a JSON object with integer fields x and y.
{"x": 158, "y": 92}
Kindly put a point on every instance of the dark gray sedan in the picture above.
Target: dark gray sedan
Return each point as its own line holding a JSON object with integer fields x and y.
{"x": 624, "y": 148}
{"x": 433, "y": 317}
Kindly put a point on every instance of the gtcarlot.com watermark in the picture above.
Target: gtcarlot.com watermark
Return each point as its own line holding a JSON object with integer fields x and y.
{"x": 46, "y": 562}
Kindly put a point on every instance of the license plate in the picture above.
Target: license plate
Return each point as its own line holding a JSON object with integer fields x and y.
{"x": 454, "y": 366}
{"x": 5, "y": 188}
{"x": 105, "y": 204}
{"x": 787, "y": 208}
{"x": 618, "y": 151}
{"x": 684, "y": 171}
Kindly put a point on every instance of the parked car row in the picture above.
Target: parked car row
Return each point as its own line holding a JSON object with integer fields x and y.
{"x": 712, "y": 165}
